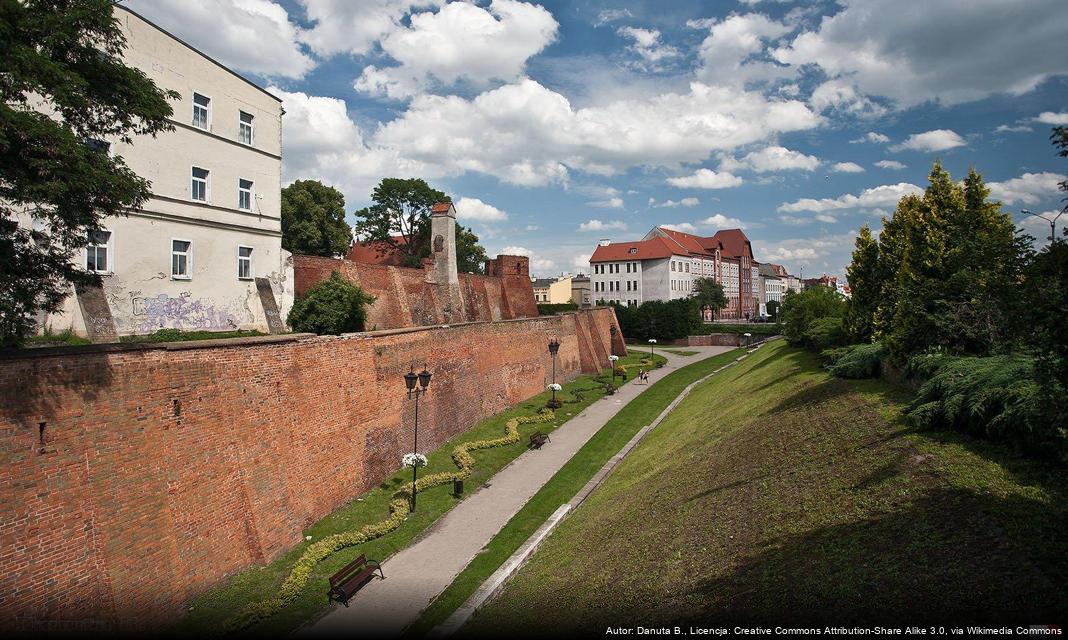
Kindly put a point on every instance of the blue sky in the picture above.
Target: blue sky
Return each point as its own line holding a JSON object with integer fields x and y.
{"x": 556, "y": 124}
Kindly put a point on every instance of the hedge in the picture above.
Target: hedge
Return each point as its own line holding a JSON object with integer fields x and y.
{"x": 552, "y": 309}
{"x": 856, "y": 361}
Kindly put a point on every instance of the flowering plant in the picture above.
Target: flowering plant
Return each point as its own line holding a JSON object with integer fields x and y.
{"x": 613, "y": 358}
{"x": 414, "y": 460}
{"x": 554, "y": 387}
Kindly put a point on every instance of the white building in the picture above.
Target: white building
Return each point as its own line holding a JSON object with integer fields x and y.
{"x": 204, "y": 253}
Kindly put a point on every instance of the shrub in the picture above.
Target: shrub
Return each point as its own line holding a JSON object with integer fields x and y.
{"x": 996, "y": 397}
{"x": 662, "y": 320}
{"x": 546, "y": 309}
{"x": 801, "y": 310}
{"x": 333, "y": 306}
{"x": 856, "y": 361}
{"x": 825, "y": 333}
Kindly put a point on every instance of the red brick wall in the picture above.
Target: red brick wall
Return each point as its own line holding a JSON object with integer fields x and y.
{"x": 164, "y": 469}
{"x": 404, "y": 298}
{"x": 714, "y": 340}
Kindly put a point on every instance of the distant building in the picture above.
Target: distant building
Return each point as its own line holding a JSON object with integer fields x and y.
{"x": 772, "y": 285}
{"x": 204, "y": 252}
{"x": 552, "y": 290}
{"x": 664, "y": 264}
{"x": 581, "y": 291}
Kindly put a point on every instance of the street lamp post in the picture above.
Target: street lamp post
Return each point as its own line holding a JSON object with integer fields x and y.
{"x": 747, "y": 336}
{"x": 612, "y": 347}
{"x": 1052, "y": 223}
{"x": 612, "y": 362}
{"x": 554, "y": 348}
{"x": 410, "y": 379}
{"x": 652, "y": 341}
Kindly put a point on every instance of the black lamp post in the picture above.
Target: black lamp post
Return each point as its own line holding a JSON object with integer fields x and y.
{"x": 554, "y": 348}
{"x": 410, "y": 378}
{"x": 651, "y": 343}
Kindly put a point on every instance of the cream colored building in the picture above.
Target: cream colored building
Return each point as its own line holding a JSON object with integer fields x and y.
{"x": 204, "y": 253}
{"x": 552, "y": 290}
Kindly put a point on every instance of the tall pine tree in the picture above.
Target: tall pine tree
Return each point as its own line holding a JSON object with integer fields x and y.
{"x": 866, "y": 284}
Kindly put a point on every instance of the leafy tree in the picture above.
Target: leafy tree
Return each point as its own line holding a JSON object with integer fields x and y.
{"x": 334, "y": 306}
{"x": 470, "y": 255}
{"x": 659, "y": 319}
{"x": 801, "y": 312}
{"x": 773, "y": 309}
{"x": 863, "y": 276}
{"x": 401, "y": 208}
{"x": 313, "y": 220}
{"x": 709, "y": 293}
{"x": 56, "y": 168}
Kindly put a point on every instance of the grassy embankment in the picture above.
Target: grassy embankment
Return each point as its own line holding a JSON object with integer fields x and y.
{"x": 778, "y": 494}
{"x": 209, "y": 610}
{"x": 565, "y": 484}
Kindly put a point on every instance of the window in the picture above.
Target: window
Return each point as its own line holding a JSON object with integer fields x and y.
{"x": 180, "y": 253}
{"x": 687, "y": 267}
{"x": 198, "y": 189}
{"x": 244, "y": 194}
{"x": 201, "y": 111}
{"x": 244, "y": 127}
{"x": 672, "y": 265}
{"x": 244, "y": 263}
{"x": 96, "y": 254}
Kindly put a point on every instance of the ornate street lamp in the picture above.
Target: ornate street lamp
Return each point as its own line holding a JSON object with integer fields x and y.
{"x": 612, "y": 361}
{"x": 410, "y": 380}
{"x": 554, "y": 348}
{"x": 652, "y": 341}
{"x": 747, "y": 336}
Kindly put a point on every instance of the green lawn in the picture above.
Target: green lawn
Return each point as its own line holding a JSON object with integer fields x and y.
{"x": 565, "y": 484}
{"x": 777, "y": 494}
{"x": 210, "y": 609}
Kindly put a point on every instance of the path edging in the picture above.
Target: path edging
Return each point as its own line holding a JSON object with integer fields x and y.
{"x": 493, "y": 585}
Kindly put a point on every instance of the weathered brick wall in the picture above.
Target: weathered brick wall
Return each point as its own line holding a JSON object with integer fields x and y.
{"x": 162, "y": 469}
{"x": 714, "y": 340}
{"x": 404, "y": 298}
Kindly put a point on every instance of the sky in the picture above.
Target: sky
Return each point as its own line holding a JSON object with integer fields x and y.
{"x": 553, "y": 125}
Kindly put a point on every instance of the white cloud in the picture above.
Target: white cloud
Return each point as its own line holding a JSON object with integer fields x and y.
{"x": 1049, "y": 117}
{"x": 611, "y": 15}
{"x": 1030, "y": 188}
{"x": 937, "y": 140}
{"x": 950, "y": 51}
{"x": 725, "y": 55}
{"x": 890, "y": 164}
{"x": 526, "y": 134}
{"x": 871, "y": 136}
{"x": 247, "y": 35}
{"x": 516, "y": 251}
{"x": 881, "y": 196}
{"x": 773, "y": 158}
{"x": 344, "y": 26}
{"x": 685, "y": 202}
{"x": 610, "y": 203}
{"x": 648, "y": 46}
{"x": 581, "y": 261}
{"x": 597, "y": 225}
{"x": 532, "y": 227}
{"x": 706, "y": 179}
{"x": 475, "y": 209}
{"x": 685, "y": 227}
{"x": 847, "y": 167}
{"x": 721, "y": 221}
{"x": 462, "y": 41}
{"x": 542, "y": 265}
{"x": 1005, "y": 128}
{"x": 843, "y": 97}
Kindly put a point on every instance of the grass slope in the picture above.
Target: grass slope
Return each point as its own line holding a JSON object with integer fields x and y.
{"x": 564, "y": 485}
{"x": 208, "y": 610}
{"x": 777, "y": 494}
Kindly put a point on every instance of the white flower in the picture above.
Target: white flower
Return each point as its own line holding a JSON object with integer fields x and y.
{"x": 613, "y": 358}
{"x": 554, "y": 387}
{"x": 414, "y": 460}
{"x": 652, "y": 341}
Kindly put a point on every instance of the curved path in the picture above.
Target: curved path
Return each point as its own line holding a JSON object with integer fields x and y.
{"x": 418, "y": 573}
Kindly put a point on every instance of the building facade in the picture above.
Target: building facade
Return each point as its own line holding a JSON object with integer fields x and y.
{"x": 665, "y": 263}
{"x": 582, "y": 291}
{"x": 204, "y": 252}
{"x": 552, "y": 290}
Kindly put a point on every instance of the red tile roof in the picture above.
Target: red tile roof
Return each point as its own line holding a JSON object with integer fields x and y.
{"x": 657, "y": 247}
{"x": 440, "y": 207}
{"x": 734, "y": 242}
{"x": 688, "y": 241}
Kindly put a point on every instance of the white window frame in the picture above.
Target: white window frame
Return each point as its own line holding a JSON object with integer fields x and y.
{"x": 193, "y": 112}
{"x": 251, "y": 194}
{"x": 251, "y": 128}
{"x": 251, "y": 250}
{"x": 109, "y": 247}
{"x": 188, "y": 259}
{"x": 207, "y": 184}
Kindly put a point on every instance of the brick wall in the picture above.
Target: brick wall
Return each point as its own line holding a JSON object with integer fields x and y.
{"x": 407, "y": 298}
{"x": 161, "y": 469}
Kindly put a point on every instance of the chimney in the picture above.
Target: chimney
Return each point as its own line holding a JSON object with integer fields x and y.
{"x": 604, "y": 242}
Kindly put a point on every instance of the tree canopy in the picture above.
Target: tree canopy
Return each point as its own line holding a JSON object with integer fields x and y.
{"x": 313, "y": 220}
{"x": 65, "y": 94}
{"x": 709, "y": 293}
{"x": 400, "y": 216}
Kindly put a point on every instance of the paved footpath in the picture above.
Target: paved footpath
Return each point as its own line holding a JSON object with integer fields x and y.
{"x": 417, "y": 574}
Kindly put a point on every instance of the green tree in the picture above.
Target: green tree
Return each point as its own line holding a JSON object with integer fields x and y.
{"x": 864, "y": 281}
{"x": 313, "y": 220}
{"x": 802, "y": 314}
{"x": 470, "y": 255}
{"x": 773, "y": 309}
{"x": 334, "y": 306}
{"x": 709, "y": 293}
{"x": 57, "y": 169}
{"x": 401, "y": 208}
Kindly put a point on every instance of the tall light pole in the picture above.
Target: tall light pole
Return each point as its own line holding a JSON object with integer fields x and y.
{"x": 410, "y": 378}
{"x": 554, "y": 348}
{"x": 1052, "y": 223}
{"x": 652, "y": 342}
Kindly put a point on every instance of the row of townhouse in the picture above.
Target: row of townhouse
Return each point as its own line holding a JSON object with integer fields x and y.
{"x": 204, "y": 252}
{"x": 664, "y": 264}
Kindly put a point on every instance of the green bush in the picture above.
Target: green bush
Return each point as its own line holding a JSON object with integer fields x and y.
{"x": 659, "y": 320}
{"x": 800, "y": 311}
{"x": 856, "y": 361}
{"x": 825, "y": 333}
{"x": 333, "y": 307}
{"x": 995, "y": 397}
{"x": 546, "y": 309}
{"x": 757, "y": 329}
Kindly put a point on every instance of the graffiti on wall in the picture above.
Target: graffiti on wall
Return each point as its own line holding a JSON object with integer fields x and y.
{"x": 164, "y": 311}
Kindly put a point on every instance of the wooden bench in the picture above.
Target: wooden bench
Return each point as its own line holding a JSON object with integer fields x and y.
{"x": 345, "y": 583}
{"x": 537, "y": 439}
